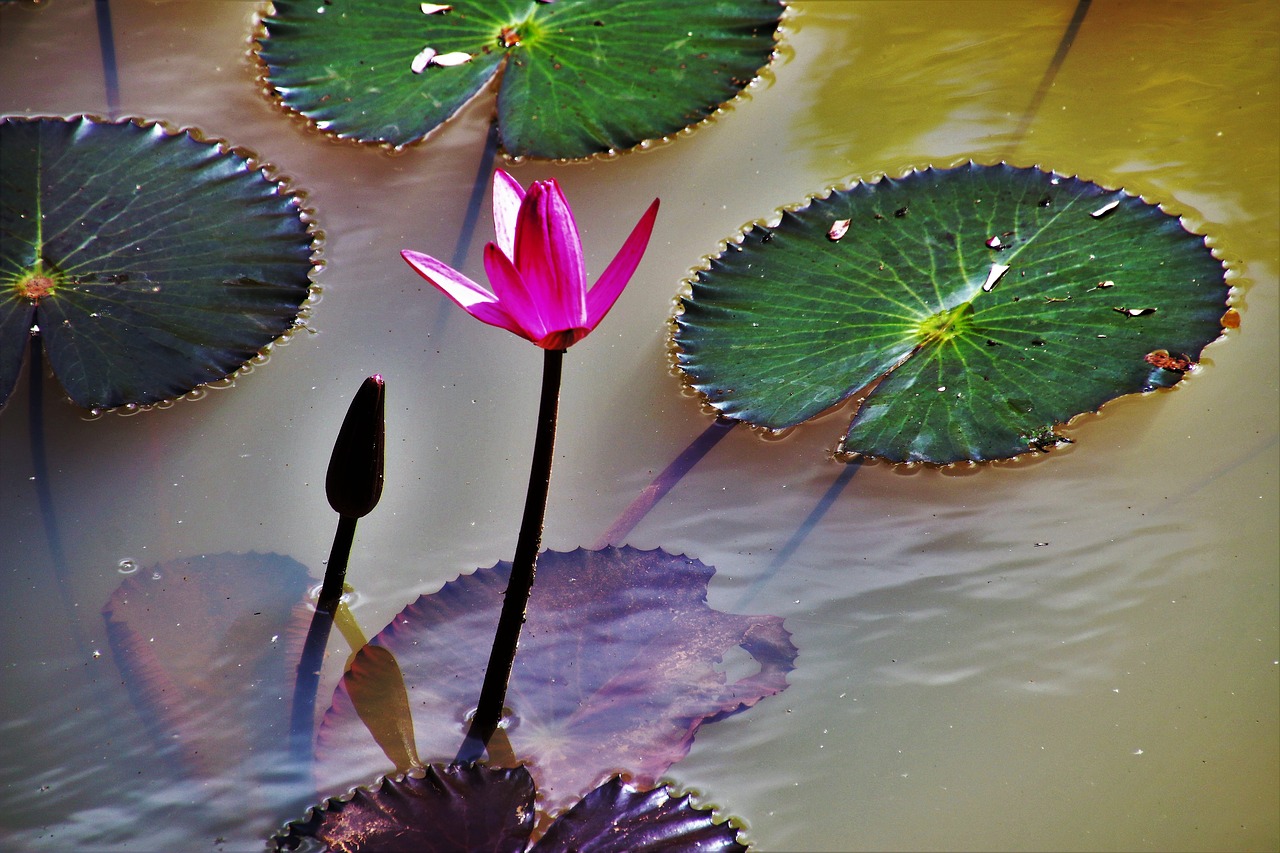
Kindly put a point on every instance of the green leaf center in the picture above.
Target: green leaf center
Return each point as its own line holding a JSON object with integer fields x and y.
{"x": 945, "y": 325}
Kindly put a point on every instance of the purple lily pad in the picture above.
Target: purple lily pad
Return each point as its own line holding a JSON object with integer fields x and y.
{"x": 459, "y": 807}
{"x": 619, "y": 818}
{"x": 615, "y": 672}
{"x": 469, "y": 807}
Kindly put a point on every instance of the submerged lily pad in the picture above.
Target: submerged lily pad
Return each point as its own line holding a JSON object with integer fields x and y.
{"x": 152, "y": 261}
{"x": 615, "y": 671}
{"x": 579, "y": 77}
{"x": 209, "y": 647}
{"x": 979, "y": 308}
{"x": 468, "y": 807}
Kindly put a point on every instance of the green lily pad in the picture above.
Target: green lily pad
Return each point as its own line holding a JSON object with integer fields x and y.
{"x": 579, "y": 77}
{"x": 979, "y": 308}
{"x": 152, "y": 261}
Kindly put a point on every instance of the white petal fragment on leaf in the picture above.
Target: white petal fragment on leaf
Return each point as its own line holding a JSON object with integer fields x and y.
{"x": 422, "y": 60}
{"x": 997, "y": 270}
{"x": 447, "y": 59}
{"x": 1105, "y": 209}
{"x": 434, "y": 8}
{"x": 839, "y": 228}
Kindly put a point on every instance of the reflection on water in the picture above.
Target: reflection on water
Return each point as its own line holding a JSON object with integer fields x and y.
{"x": 960, "y": 685}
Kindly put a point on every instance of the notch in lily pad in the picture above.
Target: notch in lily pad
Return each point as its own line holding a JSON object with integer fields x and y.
{"x": 1009, "y": 301}
{"x": 151, "y": 261}
{"x": 574, "y": 78}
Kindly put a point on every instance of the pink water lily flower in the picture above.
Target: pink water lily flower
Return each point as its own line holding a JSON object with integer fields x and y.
{"x": 536, "y": 268}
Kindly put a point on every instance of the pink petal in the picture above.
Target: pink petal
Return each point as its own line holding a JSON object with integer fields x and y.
{"x": 464, "y": 292}
{"x": 514, "y": 294}
{"x": 507, "y": 195}
{"x": 549, "y": 256}
{"x": 609, "y": 286}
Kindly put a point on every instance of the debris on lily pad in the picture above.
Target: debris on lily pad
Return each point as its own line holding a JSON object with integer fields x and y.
{"x": 973, "y": 310}
{"x": 617, "y": 669}
{"x": 573, "y": 78}
{"x": 151, "y": 261}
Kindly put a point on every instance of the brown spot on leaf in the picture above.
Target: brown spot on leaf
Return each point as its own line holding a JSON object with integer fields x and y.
{"x": 1177, "y": 363}
{"x": 35, "y": 287}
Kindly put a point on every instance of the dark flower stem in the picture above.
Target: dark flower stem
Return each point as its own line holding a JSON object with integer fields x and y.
{"x": 493, "y": 693}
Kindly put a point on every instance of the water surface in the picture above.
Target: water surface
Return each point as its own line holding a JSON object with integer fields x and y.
{"x": 1070, "y": 652}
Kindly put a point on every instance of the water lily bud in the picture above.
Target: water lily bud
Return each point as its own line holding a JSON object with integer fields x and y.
{"x": 354, "y": 481}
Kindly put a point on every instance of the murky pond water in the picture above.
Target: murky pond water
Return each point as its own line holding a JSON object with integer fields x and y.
{"x": 1078, "y": 651}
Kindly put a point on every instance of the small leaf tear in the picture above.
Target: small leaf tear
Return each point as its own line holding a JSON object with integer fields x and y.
{"x": 1133, "y": 312}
